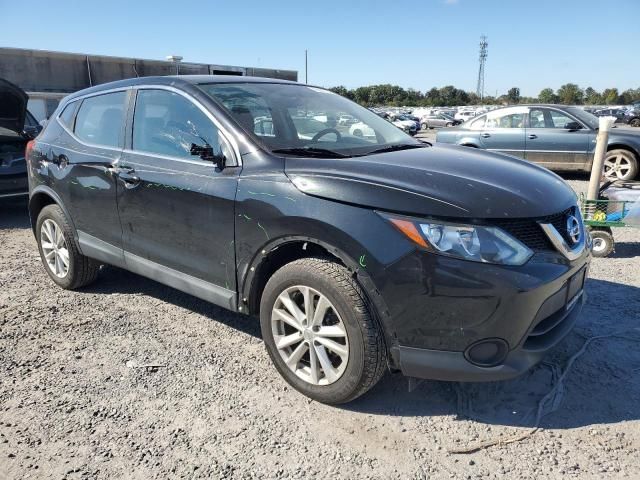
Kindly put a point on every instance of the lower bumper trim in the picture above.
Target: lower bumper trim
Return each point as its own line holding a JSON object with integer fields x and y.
{"x": 453, "y": 366}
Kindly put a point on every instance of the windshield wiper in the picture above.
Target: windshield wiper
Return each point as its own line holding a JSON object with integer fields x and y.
{"x": 311, "y": 152}
{"x": 395, "y": 148}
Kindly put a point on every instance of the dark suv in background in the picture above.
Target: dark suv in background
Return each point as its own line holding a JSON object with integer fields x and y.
{"x": 17, "y": 126}
{"x": 358, "y": 253}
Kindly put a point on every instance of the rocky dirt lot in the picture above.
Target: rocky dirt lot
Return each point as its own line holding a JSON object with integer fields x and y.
{"x": 77, "y": 402}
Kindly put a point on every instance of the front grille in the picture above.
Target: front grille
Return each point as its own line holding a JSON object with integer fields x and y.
{"x": 529, "y": 232}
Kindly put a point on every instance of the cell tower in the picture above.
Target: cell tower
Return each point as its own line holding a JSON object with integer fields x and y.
{"x": 483, "y": 59}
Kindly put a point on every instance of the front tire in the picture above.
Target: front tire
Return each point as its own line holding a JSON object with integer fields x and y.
{"x": 63, "y": 262}
{"x": 635, "y": 122}
{"x": 319, "y": 332}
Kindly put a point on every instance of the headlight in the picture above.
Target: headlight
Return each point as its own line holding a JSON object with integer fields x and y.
{"x": 468, "y": 242}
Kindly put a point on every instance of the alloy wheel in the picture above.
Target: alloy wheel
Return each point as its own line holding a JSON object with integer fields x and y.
{"x": 617, "y": 167}
{"x": 54, "y": 248}
{"x": 310, "y": 336}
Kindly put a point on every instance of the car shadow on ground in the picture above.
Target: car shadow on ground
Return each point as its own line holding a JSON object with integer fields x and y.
{"x": 626, "y": 250}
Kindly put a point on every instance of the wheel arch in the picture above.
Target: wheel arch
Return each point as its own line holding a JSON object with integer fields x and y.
{"x": 624, "y": 146}
{"x": 284, "y": 250}
{"x": 41, "y": 197}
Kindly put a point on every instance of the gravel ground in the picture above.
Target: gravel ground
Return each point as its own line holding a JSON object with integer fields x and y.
{"x": 77, "y": 402}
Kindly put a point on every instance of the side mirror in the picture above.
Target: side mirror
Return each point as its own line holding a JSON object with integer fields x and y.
{"x": 206, "y": 153}
{"x": 573, "y": 126}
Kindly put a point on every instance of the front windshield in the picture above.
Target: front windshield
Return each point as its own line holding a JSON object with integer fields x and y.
{"x": 295, "y": 117}
{"x": 589, "y": 118}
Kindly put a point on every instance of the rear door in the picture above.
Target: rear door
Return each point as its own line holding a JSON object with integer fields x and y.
{"x": 557, "y": 140}
{"x": 89, "y": 143}
{"x": 504, "y": 131}
{"x": 177, "y": 209}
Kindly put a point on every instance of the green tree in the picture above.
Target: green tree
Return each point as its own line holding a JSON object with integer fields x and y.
{"x": 570, "y": 94}
{"x": 629, "y": 96}
{"x": 513, "y": 95}
{"x": 592, "y": 97}
{"x": 610, "y": 96}
{"x": 546, "y": 95}
{"x": 341, "y": 90}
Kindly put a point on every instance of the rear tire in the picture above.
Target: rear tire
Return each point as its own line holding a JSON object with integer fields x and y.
{"x": 635, "y": 122}
{"x": 69, "y": 269}
{"x": 345, "y": 314}
{"x": 603, "y": 243}
{"x": 620, "y": 164}
{"x": 357, "y": 133}
{"x": 424, "y": 126}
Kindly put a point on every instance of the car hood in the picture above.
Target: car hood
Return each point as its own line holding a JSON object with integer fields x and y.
{"x": 13, "y": 106}
{"x": 442, "y": 181}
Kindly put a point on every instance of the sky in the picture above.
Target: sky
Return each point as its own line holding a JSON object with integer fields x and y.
{"x": 418, "y": 44}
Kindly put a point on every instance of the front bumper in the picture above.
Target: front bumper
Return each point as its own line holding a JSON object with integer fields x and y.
{"x": 546, "y": 332}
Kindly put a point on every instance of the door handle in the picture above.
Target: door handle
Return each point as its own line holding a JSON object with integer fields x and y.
{"x": 533, "y": 137}
{"x": 485, "y": 135}
{"x": 126, "y": 174}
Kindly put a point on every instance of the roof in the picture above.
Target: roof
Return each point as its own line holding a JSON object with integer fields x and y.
{"x": 178, "y": 80}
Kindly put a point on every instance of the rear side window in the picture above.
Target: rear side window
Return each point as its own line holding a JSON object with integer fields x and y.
{"x": 66, "y": 117}
{"x": 100, "y": 119}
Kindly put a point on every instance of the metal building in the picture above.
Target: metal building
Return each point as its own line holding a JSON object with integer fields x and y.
{"x": 48, "y": 76}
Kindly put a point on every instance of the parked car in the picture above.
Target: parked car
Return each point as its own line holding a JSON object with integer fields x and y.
{"x": 17, "y": 126}
{"x": 405, "y": 123}
{"x": 557, "y": 137}
{"x": 464, "y": 115}
{"x": 346, "y": 120}
{"x": 361, "y": 129}
{"x": 611, "y": 112}
{"x": 440, "y": 120}
{"x": 631, "y": 117}
{"x": 356, "y": 254}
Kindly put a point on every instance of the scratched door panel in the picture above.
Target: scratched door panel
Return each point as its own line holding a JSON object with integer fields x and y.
{"x": 180, "y": 215}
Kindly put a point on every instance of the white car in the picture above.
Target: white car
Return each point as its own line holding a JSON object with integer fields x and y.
{"x": 464, "y": 115}
{"x": 361, "y": 129}
{"x": 347, "y": 120}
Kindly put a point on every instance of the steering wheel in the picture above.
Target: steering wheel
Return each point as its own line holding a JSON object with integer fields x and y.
{"x": 324, "y": 132}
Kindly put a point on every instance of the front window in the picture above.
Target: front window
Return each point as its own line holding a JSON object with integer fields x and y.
{"x": 166, "y": 123}
{"x": 590, "y": 119}
{"x": 295, "y": 117}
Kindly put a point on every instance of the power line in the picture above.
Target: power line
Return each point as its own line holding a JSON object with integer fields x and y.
{"x": 483, "y": 59}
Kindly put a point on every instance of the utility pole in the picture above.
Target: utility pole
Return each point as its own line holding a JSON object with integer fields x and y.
{"x": 306, "y": 66}
{"x": 483, "y": 59}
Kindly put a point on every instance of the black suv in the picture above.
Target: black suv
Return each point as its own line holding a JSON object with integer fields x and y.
{"x": 358, "y": 253}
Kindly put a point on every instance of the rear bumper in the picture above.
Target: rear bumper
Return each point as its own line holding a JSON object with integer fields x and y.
{"x": 546, "y": 332}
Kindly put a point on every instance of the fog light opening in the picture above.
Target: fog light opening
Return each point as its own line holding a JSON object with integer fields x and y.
{"x": 487, "y": 353}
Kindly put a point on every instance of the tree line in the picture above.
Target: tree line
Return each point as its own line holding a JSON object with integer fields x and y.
{"x": 568, "y": 94}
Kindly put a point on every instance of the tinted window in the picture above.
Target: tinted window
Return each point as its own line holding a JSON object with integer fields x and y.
{"x": 167, "y": 123}
{"x": 100, "y": 119}
{"x": 66, "y": 116}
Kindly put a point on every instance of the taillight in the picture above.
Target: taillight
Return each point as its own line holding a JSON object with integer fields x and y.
{"x": 30, "y": 145}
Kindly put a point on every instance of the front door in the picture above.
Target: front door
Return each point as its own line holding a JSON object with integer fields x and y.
{"x": 176, "y": 207}
{"x": 503, "y": 131}
{"x": 557, "y": 141}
